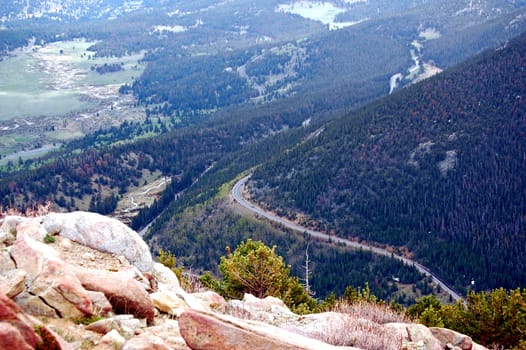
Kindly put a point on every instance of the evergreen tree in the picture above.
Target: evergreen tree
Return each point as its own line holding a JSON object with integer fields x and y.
{"x": 256, "y": 269}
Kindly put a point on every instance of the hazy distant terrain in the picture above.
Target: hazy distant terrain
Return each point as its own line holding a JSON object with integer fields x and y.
{"x": 198, "y": 57}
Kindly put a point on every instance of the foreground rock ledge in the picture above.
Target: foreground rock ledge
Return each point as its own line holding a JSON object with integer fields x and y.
{"x": 205, "y": 331}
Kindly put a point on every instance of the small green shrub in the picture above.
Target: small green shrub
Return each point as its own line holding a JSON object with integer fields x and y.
{"x": 49, "y": 239}
{"x": 86, "y": 320}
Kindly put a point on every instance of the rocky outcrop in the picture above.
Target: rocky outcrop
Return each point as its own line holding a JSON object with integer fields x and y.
{"x": 49, "y": 278}
{"x": 210, "y": 300}
{"x": 19, "y": 331}
{"x": 170, "y": 292}
{"x": 168, "y": 302}
{"x": 114, "y": 339}
{"x": 126, "y": 325}
{"x": 8, "y": 229}
{"x": 10, "y": 338}
{"x": 6, "y": 262}
{"x": 147, "y": 341}
{"x": 163, "y": 336}
{"x": 207, "y": 331}
{"x": 126, "y": 295}
{"x": 447, "y": 337}
{"x": 269, "y": 310}
{"x": 166, "y": 278}
{"x": 101, "y": 305}
{"x": 101, "y": 233}
{"x": 31, "y": 228}
{"x": 413, "y": 336}
{"x": 108, "y": 271}
{"x": 12, "y": 282}
{"x": 16, "y": 329}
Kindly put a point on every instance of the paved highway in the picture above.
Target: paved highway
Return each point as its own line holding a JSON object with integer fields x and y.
{"x": 237, "y": 194}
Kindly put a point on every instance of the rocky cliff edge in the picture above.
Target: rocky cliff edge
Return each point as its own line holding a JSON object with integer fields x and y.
{"x": 84, "y": 281}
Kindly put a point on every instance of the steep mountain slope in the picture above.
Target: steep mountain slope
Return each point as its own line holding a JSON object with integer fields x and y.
{"x": 380, "y": 52}
{"x": 205, "y": 55}
{"x": 438, "y": 168}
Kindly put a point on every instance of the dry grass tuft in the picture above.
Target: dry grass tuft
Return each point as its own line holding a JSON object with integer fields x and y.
{"x": 347, "y": 330}
{"x": 380, "y": 313}
{"x": 361, "y": 325}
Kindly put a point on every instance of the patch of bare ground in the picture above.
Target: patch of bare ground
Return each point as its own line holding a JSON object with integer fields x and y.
{"x": 81, "y": 255}
{"x": 75, "y": 334}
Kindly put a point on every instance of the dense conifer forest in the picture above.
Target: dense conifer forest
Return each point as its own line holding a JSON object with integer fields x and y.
{"x": 438, "y": 168}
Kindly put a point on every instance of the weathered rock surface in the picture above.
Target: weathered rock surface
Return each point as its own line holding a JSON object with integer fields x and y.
{"x": 413, "y": 336}
{"x": 49, "y": 278}
{"x": 101, "y": 305}
{"x": 126, "y": 295}
{"x": 146, "y": 342}
{"x": 168, "y": 282}
{"x": 98, "y": 265}
{"x": 166, "y": 277}
{"x": 35, "y": 306}
{"x": 114, "y": 339}
{"x": 101, "y": 233}
{"x": 12, "y": 282}
{"x": 16, "y": 329}
{"x": 168, "y": 302}
{"x": 8, "y": 229}
{"x": 126, "y": 325}
{"x": 447, "y": 336}
{"x": 203, "y": 331}
{"x": 270, "y": 309}
{"x": 163, "y": 336}
{"x": 31, "y": 228}
{"x": 210, "y": 300}
{"x": 6, "y": 263}
{"x": 10, "y": 338}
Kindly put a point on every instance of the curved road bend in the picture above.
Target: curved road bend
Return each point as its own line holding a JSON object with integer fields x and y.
{"x": 238, "y": 197}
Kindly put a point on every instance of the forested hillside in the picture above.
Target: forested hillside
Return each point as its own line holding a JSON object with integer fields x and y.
{"x": 224, "y": 91}
{"x": 355, "y": 62}
{"x": 438, "y": 168}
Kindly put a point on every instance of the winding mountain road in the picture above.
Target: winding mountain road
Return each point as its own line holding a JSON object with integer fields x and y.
{"x": 237, "y": 194}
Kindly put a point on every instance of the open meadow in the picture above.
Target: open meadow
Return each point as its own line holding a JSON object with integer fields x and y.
{"x": 53, "y": 93}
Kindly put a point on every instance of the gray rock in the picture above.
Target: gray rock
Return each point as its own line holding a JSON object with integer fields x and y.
{"x": 32, "y": 228}
{"x": 33, "y": 305}
{"x": 6, "y": 263}
{"x": 101, "y": 305}
{"x": 210, "y": 300}
{"x": 169, "y": 333}
{"x": 8, "y": 229}
{"x": 114, "y": 339}
{"x": 12, "y": 282}
{"x": 447, "y": 336}
{"x": 127, "y": 325}
{"x": 414, "y": 336}
{"x": 166, "y": 277}
{"x": 101, "y": 233}
{"x": 270, "y": 309}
